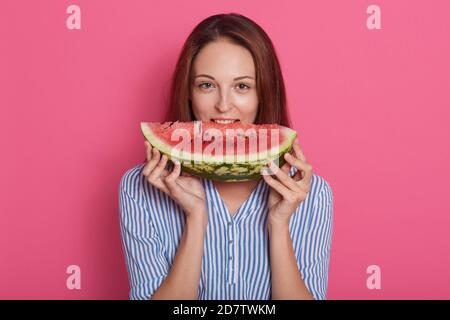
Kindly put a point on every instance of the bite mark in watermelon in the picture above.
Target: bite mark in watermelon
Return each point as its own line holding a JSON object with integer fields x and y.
{"x": 223, "y": 152}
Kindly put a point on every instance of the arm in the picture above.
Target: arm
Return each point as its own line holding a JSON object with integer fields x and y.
{"x": 150, "y": 273}
{"x": 287, "y": 283}
{"x": 284, "y": 199}
{"x": 183, "y": 280}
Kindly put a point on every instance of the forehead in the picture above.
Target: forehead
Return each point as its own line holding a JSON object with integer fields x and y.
{"x": 223, "y": 59}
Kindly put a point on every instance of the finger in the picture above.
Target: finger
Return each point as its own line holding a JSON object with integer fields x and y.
{"x": 298, "y": 152}
{"x": 302, "y": 166}
{"x": 286, "y": 168}
{"x": 283, "y": 177}
{"x": 170, "y": 180}
{"x": 148, "y": 171}
{"x": 276, "y": 185}
{"x": 175, "y": 172}
{"x": 159, "y": 183}
{"x": 148, "y": 148}
{"x": 160, "y": 167}
{"x": 151, "y": 164}
{"x": 156, "y": 177}
{"x": 164, "y": 174}
{"x": 148, "y": 168}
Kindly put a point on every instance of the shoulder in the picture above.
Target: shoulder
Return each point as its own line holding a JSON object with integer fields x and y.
{"x": 133, "y": 185}
{"x": 317, "y": 208}
{"x": 132, "y": 181}
{"x": 321, "y": 190}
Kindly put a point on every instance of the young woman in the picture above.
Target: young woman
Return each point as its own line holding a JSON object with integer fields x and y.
{"x": 191, "y": 238}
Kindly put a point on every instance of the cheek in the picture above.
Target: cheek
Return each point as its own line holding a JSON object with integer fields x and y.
{"x": 248, "y": 104}
{"x": 201, "y": 105}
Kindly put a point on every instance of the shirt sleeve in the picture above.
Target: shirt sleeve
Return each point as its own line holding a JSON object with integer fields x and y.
{"x": 146, "y": 263}
{"x": 316, "y": 251}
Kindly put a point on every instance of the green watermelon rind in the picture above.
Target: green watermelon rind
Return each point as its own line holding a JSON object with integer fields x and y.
{"x": 226, "y": 170}
{"x": 249, "y": 171}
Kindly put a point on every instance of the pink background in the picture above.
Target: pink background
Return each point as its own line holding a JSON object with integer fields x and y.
{"x": 371, "y": 108}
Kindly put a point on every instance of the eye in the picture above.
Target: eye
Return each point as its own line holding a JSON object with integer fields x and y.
{"x": 205, "y": 85}
{"x": 243, "y": 86}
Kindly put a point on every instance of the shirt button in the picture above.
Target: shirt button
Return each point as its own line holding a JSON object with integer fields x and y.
{"x": 231, "y": 241}
{"x": 231, "y": 258}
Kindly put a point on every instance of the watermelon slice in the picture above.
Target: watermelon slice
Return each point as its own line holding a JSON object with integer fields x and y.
{"x": 223, "y": 152}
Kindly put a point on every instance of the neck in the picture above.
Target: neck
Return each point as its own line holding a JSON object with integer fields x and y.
{"x": 239, "y": 184}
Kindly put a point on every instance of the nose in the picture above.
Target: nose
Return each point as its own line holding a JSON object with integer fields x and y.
{"x": 224, "y": 103}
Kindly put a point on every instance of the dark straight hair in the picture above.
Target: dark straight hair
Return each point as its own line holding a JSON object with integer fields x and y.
{"x": 242, "y": 31}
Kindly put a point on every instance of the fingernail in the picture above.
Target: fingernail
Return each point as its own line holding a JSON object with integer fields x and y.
{"x": 176, "y": 162}
{"x": 273, "y": 167}
{"x": 265, "y": 171}
{"x": 287, "y": 155}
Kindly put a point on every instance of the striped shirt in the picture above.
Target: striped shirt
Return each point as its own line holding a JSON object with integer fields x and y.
{"x": 235, "y": 262}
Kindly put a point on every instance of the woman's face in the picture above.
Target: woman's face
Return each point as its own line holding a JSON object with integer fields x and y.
{"x": 224, "y": 84}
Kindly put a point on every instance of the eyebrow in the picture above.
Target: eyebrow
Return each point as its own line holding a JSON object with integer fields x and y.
{"x": 238, "y": 78}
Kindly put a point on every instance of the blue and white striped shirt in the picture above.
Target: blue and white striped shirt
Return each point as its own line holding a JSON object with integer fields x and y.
{"x": 235, "y": 263}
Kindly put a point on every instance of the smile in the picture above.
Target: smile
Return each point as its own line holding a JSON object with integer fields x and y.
{"x": 224, "y": 121}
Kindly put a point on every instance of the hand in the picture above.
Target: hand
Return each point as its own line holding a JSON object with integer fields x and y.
{"x": 186, "y": 190}
{"x": 287, "y": 193}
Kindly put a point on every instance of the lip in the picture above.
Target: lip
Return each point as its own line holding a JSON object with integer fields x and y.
{"x": 225, "y": 119}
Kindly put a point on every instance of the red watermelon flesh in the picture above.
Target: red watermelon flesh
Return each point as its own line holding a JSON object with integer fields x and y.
{"x": 232, "y": 136}
{"x": 244, "y": 147}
